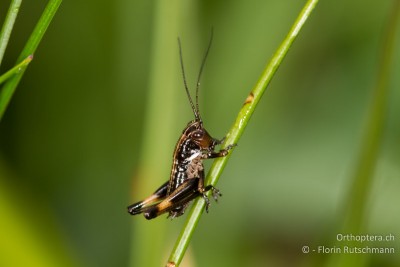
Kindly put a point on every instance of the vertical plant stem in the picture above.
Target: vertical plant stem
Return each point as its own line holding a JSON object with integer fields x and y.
{"x": 374, "y": 130}
{"x": 10, "y": 86}
{"x": 147, "y": 240}
{"x": 356, "y": 203}
{"x": 236, "y": 131}
{"x": 8, "y": 26}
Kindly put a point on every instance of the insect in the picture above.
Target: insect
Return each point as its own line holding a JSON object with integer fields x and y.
{"x": 186, "y": 180}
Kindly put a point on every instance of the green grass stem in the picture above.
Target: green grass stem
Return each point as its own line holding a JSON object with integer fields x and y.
{"x": 10, "y": 86}
{"x": 8, "y": 26}
{"x": 236, "y": 131}
{"x": 16, "y": 69}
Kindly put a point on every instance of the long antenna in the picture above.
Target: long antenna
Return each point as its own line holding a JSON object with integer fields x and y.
{"x": 201, "y": 71}
{"x": 195, "y": 111}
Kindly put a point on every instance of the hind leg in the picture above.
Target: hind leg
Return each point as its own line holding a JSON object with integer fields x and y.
{"x": 177, "y": 200}
{"x": 158, "y": 195}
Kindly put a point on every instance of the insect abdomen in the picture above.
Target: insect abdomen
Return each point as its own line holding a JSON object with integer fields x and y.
{"x": 186, "y": 151}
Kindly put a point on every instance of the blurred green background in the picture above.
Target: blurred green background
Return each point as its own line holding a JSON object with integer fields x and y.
{"x": 79, "y": 141}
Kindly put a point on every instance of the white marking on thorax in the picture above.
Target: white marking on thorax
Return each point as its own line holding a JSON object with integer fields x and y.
{"x": 195, "y": 155}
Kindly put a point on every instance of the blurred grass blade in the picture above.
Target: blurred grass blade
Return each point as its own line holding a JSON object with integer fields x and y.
{"x": 161, "y": 99}
{"x": 355, "y": 206}
{"x": 10, "y": 86}
{"x": 374, "y": 129}
{"x": 16, "y": 69}
{"x": 236, "y": 131}
{"x": 8, "y": 26}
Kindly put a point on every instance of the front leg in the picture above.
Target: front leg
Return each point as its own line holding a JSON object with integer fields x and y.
{"x": 210, "y": 154}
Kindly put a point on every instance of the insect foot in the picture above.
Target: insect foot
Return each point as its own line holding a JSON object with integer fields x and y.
{"x": 224, "y": 152}
{"x": 215, "y": 193}
{"x": 207, "y": 201}
{"x": 229, "y": 147}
